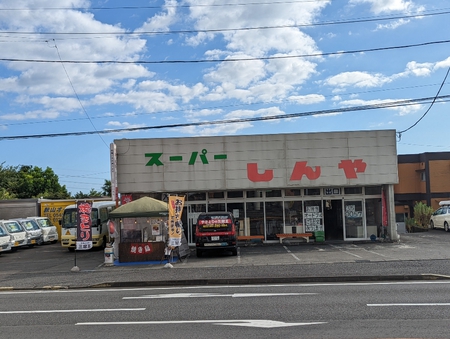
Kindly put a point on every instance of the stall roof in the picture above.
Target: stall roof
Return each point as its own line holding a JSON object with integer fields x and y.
{"x": 143, "y": 207}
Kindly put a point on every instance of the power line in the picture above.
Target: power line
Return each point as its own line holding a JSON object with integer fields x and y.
{"x": 76, "y": 94}
{"x": 211, "y": 107}
{"x": 429, "y": 108}
{"x": 323, "y": 23}
{"x": 391, "y": 104}
{"x": 376, "y": 49}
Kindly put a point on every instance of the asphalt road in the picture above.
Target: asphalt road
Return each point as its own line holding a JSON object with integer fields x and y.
{"x": 417, "y": 256}
{"x": 313, "y": 310}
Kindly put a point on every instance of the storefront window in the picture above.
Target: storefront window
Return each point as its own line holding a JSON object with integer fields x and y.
{"x": 313, "y": 216}
{"x": 273, "y": 194}
{"x": 235, "y": 194}
{"x": 353, "y": 190}
{"x": 254, "y": 194}
{"x": 196, "y": 196}
{"x": 373, "y": 216}
{"x": 354, "y": 227}
{"x": 216, "y": 195}
{"x": 312, "y": 191}
{"x": 373, "y": 190}
{"x": 216, "y": 207}
{"x": 292, "y": 192}
{"x": 293, "y": 217}
{"x": 274, "y": 219}
{"x": 255, "y": 218}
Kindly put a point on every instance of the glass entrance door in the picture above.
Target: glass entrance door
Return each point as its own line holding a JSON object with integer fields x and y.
{"x": 354, "y": 220}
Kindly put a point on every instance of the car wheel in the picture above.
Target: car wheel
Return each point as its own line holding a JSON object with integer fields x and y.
{"x": 446, "y": 226}
{"x": 432, "y": 224}
{"x": 199, "y": 253}
{"x": 234, "y": 252}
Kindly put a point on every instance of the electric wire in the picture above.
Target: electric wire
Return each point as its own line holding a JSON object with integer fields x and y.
{"x": 391, "y": 104}
{"x": 76, "y": 94}
{"x": 399, "y": 134}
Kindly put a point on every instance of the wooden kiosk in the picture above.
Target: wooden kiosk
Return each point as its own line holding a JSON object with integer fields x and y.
{"x": 140, "y": 230}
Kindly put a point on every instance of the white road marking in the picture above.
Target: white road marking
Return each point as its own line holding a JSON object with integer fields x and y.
{"x": 248, "y": 323}
{"x": 289, "y": 251}
{"x": 215, "y": 295}
{"x": 178, "y": 288}
{"x": 341, "y": 250}
{"x": 72, "y": 311}
{"x": 409, "y": 304}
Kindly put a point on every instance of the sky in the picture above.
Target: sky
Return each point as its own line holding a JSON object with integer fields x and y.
{"x": 75, "y": 75}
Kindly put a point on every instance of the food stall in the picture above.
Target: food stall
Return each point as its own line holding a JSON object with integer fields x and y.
{"x": 140, "y": 230}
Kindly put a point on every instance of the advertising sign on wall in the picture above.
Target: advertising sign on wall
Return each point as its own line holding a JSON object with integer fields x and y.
{"x": 257, "y": 161}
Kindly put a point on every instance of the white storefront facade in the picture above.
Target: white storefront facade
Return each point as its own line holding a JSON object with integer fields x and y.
{"x": 338, "y": 183}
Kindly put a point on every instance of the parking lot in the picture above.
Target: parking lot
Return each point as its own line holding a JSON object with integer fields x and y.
{"x": 415, "y": 246}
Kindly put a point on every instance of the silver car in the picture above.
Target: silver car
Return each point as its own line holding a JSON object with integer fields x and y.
{"x": 49, "y": 231}
{"x": 5, "y": 240}
{"x": 17, "y": 233}
{"x": 34, "y": 232}
{"x": 441, "y": 217}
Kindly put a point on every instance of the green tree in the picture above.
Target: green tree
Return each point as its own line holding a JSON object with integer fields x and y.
{"x": 106, "y": 188}
{"x": 34, "y": 182}
{"x": 422, "y": 214}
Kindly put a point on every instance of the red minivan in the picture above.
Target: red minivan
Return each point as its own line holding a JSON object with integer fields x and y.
{"x": 216, "y": 231}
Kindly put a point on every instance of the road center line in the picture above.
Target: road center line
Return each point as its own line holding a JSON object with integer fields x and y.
{"x": 409, "y": 304}
{"x": 72, "y": 311}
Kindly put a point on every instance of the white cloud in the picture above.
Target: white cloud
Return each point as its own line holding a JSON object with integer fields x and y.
{"x": 387, "y": 6}
{"x": 402, "y": 110}
{"x": 357, "y": 79}
{"x": 161, "y": 21}
{"x": 393, "y": 24}
{"x": 307, "y": 99}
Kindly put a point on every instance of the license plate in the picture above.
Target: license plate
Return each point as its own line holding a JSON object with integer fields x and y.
{"x": 16, "y": 243}
{"x": 215, "y": 238}
{"x": 33, "y": 241}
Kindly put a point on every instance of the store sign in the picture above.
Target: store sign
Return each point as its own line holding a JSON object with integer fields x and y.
{"x": 84, "y": 225}
{"x": 140, "y": 248}
{"x": 333, "y": 159}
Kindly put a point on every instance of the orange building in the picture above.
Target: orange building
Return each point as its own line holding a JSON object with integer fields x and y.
{"x": 422, "y": 177}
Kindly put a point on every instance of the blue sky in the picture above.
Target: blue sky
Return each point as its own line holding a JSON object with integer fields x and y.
{"x": 89, "y": 66}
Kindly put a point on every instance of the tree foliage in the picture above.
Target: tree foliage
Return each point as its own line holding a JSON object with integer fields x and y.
{"x": 422, "y": 214}
{"x": 26, "y": 182}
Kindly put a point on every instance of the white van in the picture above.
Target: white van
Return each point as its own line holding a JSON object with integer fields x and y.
{"x": 49, "y": 231}
{"x": 17, "y": 233}
{"x": 34, "y": 232}
{"x": 99, "y": 216}
{"x": 5, "y": 240}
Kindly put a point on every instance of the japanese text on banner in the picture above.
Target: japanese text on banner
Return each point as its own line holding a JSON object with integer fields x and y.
{"x": 176, "y": 204}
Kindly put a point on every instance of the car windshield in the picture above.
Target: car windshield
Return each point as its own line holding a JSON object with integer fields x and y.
{"x": 44, "y": 222}
{"x": 29, "y": 225}
{"x": 70, "y": 218}
{"x": 2, "y": 232}
{"x": 13, "y": 226}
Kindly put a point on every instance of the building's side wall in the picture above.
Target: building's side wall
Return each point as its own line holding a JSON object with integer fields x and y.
{"x": 409, "y": 179}
{"x": 439, "y": 176}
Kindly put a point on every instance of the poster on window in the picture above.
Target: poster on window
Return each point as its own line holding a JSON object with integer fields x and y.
{"x": 84, "y": 225}
{"x": 176, "y": 204}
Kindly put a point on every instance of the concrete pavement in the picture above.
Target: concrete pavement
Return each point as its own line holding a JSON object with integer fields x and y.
{"x": 417, "y": 256}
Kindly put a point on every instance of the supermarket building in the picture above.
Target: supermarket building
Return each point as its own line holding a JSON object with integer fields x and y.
{"x": 340, "y": 183}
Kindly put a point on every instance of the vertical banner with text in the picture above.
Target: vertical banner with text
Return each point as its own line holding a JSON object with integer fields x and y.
{"x": 84, "y": 225}
{"x": 176, "y": 204}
